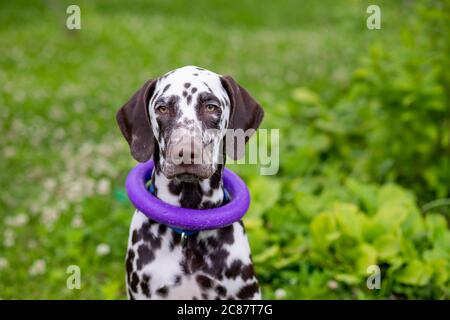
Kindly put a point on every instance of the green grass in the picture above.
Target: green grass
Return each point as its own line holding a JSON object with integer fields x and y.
{"x": 63, "y": 159}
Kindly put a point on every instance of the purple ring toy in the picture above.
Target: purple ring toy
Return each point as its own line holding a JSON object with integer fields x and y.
{"x": 189, "y": 219}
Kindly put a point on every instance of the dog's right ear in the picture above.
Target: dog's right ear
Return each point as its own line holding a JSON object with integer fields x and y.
{"x": 134, "y": 123}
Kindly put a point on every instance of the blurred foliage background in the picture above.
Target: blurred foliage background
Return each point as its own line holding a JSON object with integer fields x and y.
{"x": 364, "y": 150}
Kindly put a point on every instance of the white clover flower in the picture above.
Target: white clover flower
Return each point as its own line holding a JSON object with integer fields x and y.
{"x": 18, "y": 220}
{"x": 49, "y": 184}
{"x": 9, "y": 238}
{"x": 3, "y": 263}
{"x": 32, "y": 244}
{"x": 75, "y": 191}
{"x": 103, "y": 249}
{"x": 19, "y": 96}
{"x": 280, "y": 293}
{"x": 7, "y": 86}
{"x": 57, "y": 113}
{"x": 103, "y": 186}
{"x": 332, "y": 284}
{"x": 77, "y": 221}
{"x": 62, "y": 205}
{"x": 79, "y": 106}
{"x": 89, "y": 187}
{"x": 49, "y": 216}
{"x": 38, "y": 267}
{"x": 34, "y": 208}
{"x": 9, "y": 152}
{"x": 59, "y": 134}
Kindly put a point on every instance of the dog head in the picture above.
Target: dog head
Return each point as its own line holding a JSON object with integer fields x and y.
{"x": 181, "y": 119}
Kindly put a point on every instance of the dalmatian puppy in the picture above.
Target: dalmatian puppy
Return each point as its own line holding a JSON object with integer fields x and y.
{"x": 179, "y": 120}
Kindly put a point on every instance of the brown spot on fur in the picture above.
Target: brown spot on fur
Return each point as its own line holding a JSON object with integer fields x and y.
{"x": 221, "y": 291}
{"x": 129, "y": 263}
{"x": 208, "y": 204}
{"x": 147, "y": 235}
{"x": 134, "y": 281}
{"x": 248, "y": 291}
{"x": 134, "y": 237}
{"x": 234, "y": 270}
{"x": 145, "y": 286}
{"x": 214, "y": 181}
{"x": 226, "y": 234}
{"x": 213, "y": 242}
{"x": 162, "y": 229}
{"x": 175, "y": 240}
{"x": 191, "y": 196}
{"x": 218, "y": 263}
{"x": 247, "y": 272}
{"x": 174, "y": 187}
{"x": 204, "y": 282}
{"x": 145, "y": 255}
{"x": 163, "y": 291}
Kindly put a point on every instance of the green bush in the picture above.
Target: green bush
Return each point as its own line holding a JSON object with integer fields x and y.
{"x": 368, "y": 157}
{"x": 393, "y": 122}
{"x": 345, "y": 232}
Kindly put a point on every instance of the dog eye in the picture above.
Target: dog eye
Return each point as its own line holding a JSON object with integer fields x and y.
{"x": 162, "y": 109}
{"x": 211, "y": 107}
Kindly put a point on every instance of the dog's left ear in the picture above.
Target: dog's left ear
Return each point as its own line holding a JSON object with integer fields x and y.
{"x": 245, "y": 113}
{"x": 134, "y": 123}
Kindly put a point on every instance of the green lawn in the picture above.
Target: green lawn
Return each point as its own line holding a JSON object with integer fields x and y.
{"x": 63, "y": 160}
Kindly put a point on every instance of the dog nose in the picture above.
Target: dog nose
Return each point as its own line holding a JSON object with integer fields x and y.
{"x": 187, "y": 153}
{"x": 182, "y": 152}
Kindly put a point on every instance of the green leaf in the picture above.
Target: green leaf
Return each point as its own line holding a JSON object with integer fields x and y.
{"x": 278, "y": 216}
{"x": 441, "y": 271}
{"x": 391, "y": 216}
{"x": 266, "y": 255}
{"x": 407, "y": 249}
{"x": 348, "y": 219}
{"x": 414, "y": 224}
{"x": 415, "y": 273}
{"x": 347, "y": 278}
{"x": 367, "y": 257}
{"x": 307, "y": 204}
{"x": 436, "y": 225}
{"x": 306, "y": 96}
{"x": 265, "y": 193}
{"x": 387, "y": 246}
{"x": 364, "y": 193}
{"x": 323, "y": 230}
